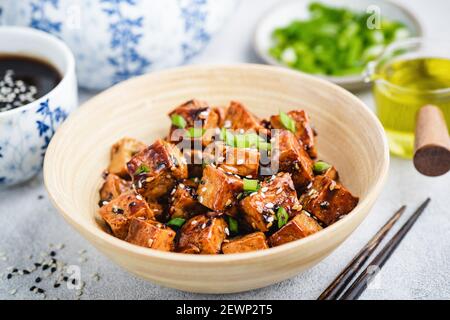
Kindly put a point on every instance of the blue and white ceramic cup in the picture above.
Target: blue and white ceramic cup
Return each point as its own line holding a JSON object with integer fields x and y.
{"x": 114, "y": 40}
{"x": 25, "y": 132}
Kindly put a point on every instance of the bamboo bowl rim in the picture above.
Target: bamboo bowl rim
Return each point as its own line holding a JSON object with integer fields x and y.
{"x": 80, "y": 223}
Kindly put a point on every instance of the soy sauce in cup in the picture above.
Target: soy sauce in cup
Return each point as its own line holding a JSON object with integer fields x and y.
{"x": 24, "y": 79}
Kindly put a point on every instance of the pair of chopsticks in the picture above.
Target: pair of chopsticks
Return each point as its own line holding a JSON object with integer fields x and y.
{"x": 335, "y": 290}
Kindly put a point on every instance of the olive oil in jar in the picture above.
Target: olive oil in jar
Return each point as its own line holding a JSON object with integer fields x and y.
{"x": 401, "y": 88}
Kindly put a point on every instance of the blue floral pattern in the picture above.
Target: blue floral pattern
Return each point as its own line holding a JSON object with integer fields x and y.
{"x": 126, "y": 34}
{"x": 39, "y": 18}
{"x": 48, "y": 124}
{"x": 194, "y": 14}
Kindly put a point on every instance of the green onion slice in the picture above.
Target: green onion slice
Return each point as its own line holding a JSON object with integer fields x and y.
{"x": 287, "y": 121}
{"x": 176, "y": 222}
{"x": 228, "y": 137}
{"x": 142, "y": 169}
{"x": 264, "y": 146}
{"x": 195, "y": 132}
{"x": 282, "y": 217}
{"x": 251, "y": 185}
{"x": 321, "y": 166}
{"x": 233, "y": 225}
{"x": 178, "y": 121}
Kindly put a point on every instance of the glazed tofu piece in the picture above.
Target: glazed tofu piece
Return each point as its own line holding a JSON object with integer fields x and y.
{"x": 327, "y": 200}
{"x": 121, "y": 152}
{"x": 239, "y": 118}
{"x": 289, "y": 156}
{"x": 218, "y": 190}
{"x": 202, "y": 235}
{"x": 221, "y": 113}
{"x": 183, "y": 200}
{"x": 303, "y": 130}
{"x": 156, "y": 169}
{"x": 118, "y": 213}
{"x": 331, "y": 173}
{"x": 260, "y": 207}
{"x": 113, "y": 187}
{"x": 194, "y": 159}
{"x": 241, "y": 161}
{"x": 301, "y": 226}
{"x": 195, "y": 113}
{"x": 250, "y": 242}
{"x": 151, "y": 234}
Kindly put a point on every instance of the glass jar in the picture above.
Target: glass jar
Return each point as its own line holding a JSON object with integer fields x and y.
{"x": 408, "y": 75}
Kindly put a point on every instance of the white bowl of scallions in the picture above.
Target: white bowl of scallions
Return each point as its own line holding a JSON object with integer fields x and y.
{"x": 332, "y": 39}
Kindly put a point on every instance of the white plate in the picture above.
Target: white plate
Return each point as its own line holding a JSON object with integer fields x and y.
{"x": 283, "y": 13}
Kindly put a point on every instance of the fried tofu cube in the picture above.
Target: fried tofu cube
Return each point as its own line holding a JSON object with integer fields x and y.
{"x": 202, "y": 234}
{"x": 194, "y": 159}
{"x": 221, "y": 113}
{"x": 241, "y": 161}
{"x": 156, "y": 169}
{"x": 195, "y": 113}
{"x": 303, "y": 130}
{"x": 218, "y": 190}
{"x": 331, "y": 173}
{"x": 183, "y": 200}
{"x": 118, "y": 213}
{"x": 289, "y": 156}
{"x": 113, "y": 187}
{"x": 151, "y": 234}
{"x": 121, "y": 152}
{"x": 260, "y": 207}
{"x": 250, "y": 242}
{"x": 328, "y": 200}
{"x": 239, "y": 118}
{"x": 301, "y": 226}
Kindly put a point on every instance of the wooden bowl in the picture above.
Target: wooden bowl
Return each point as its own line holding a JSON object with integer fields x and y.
{"x": 350, "y": 137}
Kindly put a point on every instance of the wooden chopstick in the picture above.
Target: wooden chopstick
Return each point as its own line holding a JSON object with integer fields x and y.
{"x": 346, "y": 276}
{"x": 361, "y": 283}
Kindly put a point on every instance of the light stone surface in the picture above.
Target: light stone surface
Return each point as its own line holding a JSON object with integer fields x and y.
{"x": 419, "y": 269}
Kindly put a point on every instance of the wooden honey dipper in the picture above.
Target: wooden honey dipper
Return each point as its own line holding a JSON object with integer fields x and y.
{"x": 432, "y": 142}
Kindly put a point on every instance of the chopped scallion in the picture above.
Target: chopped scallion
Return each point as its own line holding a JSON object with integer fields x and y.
{"x": 176, "y": 222}
{"x": 282, "y": 217}
{"x": 233, "y": 225}
{"x": 321, "y": 166}
{"x": 195, "y": 132}
{"x": 251, "y": 185}
{"x": 178, "y": 121}
{"x": 142, "y": 169}
{"x": 287, "y": 121}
